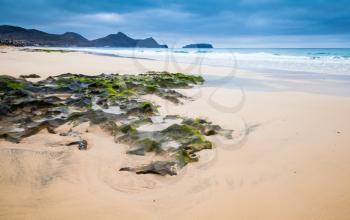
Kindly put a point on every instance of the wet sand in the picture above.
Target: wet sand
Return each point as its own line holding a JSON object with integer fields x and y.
{"x": 288, "y": 160}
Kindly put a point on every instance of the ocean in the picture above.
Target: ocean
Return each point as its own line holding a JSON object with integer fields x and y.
{"x": 315, "y": 60}
{"x": 316, "y": 70}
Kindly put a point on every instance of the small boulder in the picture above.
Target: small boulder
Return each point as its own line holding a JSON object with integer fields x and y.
{"x": 33, "y": 76}
{"x": 158, "y": 167}
{"x": 82, "y": 145}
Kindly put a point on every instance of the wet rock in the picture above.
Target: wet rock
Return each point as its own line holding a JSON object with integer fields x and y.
{"x": 158, "y": 167}
{"x": 110, "y": 126}
{"x": 96, "y": 117}
{"x": 51, "y": 130}
{"x": 32, "y": 76}
{"x": 145, "y": 145}
{"x": 81, "y": 102}
{"x": 209, "y": 132}
{"x": 82, "y": 145}
{"x": 207, "y": 128}
{"x": 4, "y": 109}
{"x": 171, "y": 95}
{"x": 114, "y": 103}
{"x": 182, "y": 132}
{"x": 127, "y": 128}
{"x": 143, "y": 108}
{"x": 15, "y": 134}
{"x": 11, "y": 87}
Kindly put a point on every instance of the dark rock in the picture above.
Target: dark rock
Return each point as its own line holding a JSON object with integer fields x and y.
{"x": 82, "y": 145}
{"x": 15, "y": 134}
{"x": 198, "y": 46}
{"x": 30, "y": 76}
{"x": 145, "y": 145}
{"x": 143, "y": 108}
{"x": 4, "y": 109}
{"x": 158, "y": 167}
{"x": 114, "y": 103}
{"x": 210, "y": 132}
{"x": 51, "y": 130}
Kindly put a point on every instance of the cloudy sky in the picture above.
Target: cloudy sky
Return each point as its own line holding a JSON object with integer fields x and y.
{"x": 225, "y": 23}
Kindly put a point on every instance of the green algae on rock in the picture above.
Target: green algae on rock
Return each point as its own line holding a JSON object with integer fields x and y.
{"x": 115, "y": 103}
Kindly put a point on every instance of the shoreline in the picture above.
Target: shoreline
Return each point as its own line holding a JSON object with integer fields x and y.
{"x": 288, "y": 142}
{"x": 246, "y": 60}
{"x": 288, "y": 81}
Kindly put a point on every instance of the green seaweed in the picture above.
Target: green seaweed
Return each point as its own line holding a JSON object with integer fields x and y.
{"x": 11, "y": 83}
{"x": 146, "y": 145}
{"x": 183, "y": 132}
{"x": 149, "y": 145}
{"x": 183, "y": 157}
{"x": 147, "y": 107}
{"x": 15, "y": 85}
{"x": 111, "y": 92}
{"x": 92, "y": 96}
{"x": 127, "y": 128}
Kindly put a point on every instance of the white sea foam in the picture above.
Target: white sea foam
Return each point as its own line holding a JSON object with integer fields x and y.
{"x": 325, "y": 61}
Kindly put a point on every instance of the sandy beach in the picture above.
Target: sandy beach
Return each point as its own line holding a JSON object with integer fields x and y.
{"x": 288, "y": 158}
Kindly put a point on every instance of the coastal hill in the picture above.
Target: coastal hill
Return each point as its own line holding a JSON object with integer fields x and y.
{"x": 198, "y": 46}
{"x": 122, "y": 40}
{"x": 31, "y": 37}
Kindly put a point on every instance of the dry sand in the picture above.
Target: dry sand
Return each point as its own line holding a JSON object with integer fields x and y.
{"x": 289, "y": 159}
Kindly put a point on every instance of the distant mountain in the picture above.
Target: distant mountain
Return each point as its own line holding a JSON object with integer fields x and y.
{"x": 74, "y": 39}
{"x": 32, "y": 37}
{"x": 122, "y": 40}
{"x": 198, "y": 46}
{"x": 149, "y": 42}
{"x": 114, "y": 40}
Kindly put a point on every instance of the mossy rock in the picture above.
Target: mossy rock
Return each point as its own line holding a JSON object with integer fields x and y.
{"x": 205, "y": 127}
{"x": 127, "y": 128}
{"x": 147, "y": 107}
{"x": 195, "y": 147}
{"x": 92, "y": 98}
{"x": 178, "y": 131}
{"x": 145, "y": 145}
{"x": 8, "y": 83}
{"x": 149, "y": 145}
{"x": 143, "y": 108}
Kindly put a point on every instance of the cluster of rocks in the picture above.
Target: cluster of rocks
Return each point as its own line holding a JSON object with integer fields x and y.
{"x": 115, "y": 103}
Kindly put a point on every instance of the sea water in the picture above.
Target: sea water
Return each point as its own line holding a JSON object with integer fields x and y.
{"x": 314, "y": 60}
{"x": 318, "y": 70}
